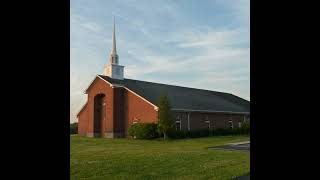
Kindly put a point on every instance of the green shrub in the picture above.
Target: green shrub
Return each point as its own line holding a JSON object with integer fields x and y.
{"x": 198, "y": 133}
{"x": 176, "y": 134}
{"x": 143, "y": 130}
{"x": 133, "y": 129}
{"x": 149, "y": 131}
{"x": 74, "y": 128}
{"x": 222, "y": 131}
{"x": 245, "y": 128}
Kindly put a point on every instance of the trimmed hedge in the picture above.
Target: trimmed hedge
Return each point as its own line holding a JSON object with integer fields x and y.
{"x": 198, "y": 133}
{"x": 149, "y": 131}
{"x": 245, "y": 129}
{"x": 143, "y": 131}
{"x": 174, "y": 134}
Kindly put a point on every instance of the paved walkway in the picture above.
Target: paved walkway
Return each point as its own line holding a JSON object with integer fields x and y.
{"x": 241, "y": 146}
{"x": 243, "y": 178}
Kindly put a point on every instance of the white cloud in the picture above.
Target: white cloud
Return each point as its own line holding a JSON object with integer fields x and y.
{"x": 216, "y": 51}
{"x": 92, "y": 26}
{"x": 201, "y": 56}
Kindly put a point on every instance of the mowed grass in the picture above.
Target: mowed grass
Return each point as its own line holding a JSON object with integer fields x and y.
{"x": 99, "y": 158}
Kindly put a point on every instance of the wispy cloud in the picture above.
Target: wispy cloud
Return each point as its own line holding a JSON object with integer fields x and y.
{"x": 203, "y": 45}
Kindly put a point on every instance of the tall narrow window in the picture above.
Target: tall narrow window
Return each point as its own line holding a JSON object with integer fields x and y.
{"x": 178, "y": 123}
{"x": 230, "y": 124}
{"x": 208, "y": 124}
{"x": 239, "y": 124}
{"x": 206, "y": 120}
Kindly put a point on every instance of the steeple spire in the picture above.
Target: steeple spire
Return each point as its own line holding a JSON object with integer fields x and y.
{"x": 114, "y": 48}
{"x": 113, "y": 56}
{"x": 113, "y": 69}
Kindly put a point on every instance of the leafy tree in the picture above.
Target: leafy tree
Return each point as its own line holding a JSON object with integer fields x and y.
{"x": 246, "y": 127}
{"x": 164, "y": 116}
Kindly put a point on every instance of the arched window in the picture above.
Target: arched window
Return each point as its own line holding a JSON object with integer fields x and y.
{"x": 99, "y": 115}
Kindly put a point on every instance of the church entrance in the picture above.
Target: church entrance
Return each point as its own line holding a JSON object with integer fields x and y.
{"x": 99, "y": 114}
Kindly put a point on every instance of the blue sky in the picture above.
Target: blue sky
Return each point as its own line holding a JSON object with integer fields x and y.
{"x": 203, "y": 44}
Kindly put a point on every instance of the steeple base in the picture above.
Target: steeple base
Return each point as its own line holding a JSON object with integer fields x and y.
{"x": 114, "y": 71}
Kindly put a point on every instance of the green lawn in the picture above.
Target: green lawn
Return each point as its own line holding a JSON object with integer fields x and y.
{"x": 95, "y": 158}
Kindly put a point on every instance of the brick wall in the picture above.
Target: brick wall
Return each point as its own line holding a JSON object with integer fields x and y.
{"x": 83, "y": 122}
{"x": 138, "y": 110}
{"x": 123, "y": 107}
{"x": 197, "y": 120}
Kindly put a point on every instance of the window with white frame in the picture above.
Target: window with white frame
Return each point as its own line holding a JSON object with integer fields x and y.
{"x": 208, "y": 124}
{"x": 239, "y": 124}
{"x": 178, "y": 123}
{"x": 230, "y": 124}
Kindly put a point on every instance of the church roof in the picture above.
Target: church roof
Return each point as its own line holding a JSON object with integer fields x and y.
{"x": 184, "y": 98}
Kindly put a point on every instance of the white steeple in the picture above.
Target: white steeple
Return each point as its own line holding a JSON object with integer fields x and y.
{"x": 114, "y": 47}
{"x": 113, "y": 56}
{"x": 113, "y": 69}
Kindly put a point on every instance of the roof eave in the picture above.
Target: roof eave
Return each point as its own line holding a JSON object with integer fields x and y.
{"x": 209, "y": 111}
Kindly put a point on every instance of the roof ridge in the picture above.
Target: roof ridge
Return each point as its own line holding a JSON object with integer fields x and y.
{"x": 197, "y": 98}
{"x": 183, "y": 87}
{"x": 179, "y": 86}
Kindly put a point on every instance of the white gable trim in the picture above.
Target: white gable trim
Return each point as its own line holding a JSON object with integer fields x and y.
{"x": 82, "y": 109}
{"x": 85, "y": 91}
{"x": 155, "y": 107}
{"x": 94, "y": 80}
{"x": 105, "y": 81}
{"x": 118, "y": 85}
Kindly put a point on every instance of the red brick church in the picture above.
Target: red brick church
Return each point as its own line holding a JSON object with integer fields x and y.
{"x": 114, "y": 103}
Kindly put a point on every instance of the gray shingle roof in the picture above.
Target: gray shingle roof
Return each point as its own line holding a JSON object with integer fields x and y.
{"x": 184, "y": 97}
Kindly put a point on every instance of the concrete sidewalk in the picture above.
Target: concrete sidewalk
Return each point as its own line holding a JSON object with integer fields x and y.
{"x": 238, "y": 143}
{"x": 243, "y": 178}
{"x": 241, "y": 146}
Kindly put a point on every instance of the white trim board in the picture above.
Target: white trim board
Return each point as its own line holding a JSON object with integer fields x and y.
{"x": 117, "y": 85}
{"x": 81, "y": 109}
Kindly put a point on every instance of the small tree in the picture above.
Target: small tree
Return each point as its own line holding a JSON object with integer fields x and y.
{"x": 164, "y": 116}
{"x": 246, "y": 127}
